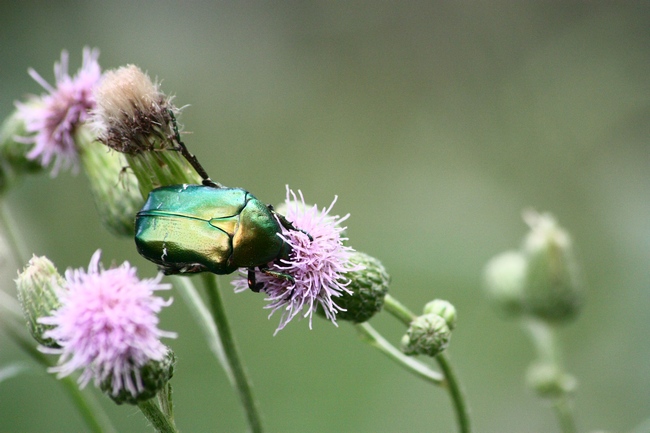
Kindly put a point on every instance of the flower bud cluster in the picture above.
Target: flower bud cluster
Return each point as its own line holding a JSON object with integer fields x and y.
{"x": 541, "y": 279}
{"x": 429, "y": 334}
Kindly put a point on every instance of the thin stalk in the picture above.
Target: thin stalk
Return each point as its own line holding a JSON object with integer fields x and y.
{"x": 242, "y": 381}
{"x": 406, "y": 316}
{"x": 156, "y": 417}
{"x": 564, "y": 414}
{"x": 202, "y": 316}
{"x": 16, "y": 244}
{"x": 376, "y": 340}
{"x": 398, "y": 310}
{"x": 456, "y": 393}
{"x": 548, "y": 351}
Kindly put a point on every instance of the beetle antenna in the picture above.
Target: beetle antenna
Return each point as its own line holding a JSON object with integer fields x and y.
{"x": 189, "y": 157}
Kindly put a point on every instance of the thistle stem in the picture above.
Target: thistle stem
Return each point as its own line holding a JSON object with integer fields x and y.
{"x": 406, "y": 316}
{"x": 156, "y": 417}
{"x": 16, "y": 244}
{"x": 398, "y": 310}
{"x": 376, "y": 340}
{"x": 456, "y": 393}
{"x": 242, "y": 381}
{"x": 548, "y": 351}
{"x": 564, "y": 414}
{"x": 202, "y": 316}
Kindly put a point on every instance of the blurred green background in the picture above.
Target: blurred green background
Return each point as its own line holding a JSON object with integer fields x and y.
{"x": 435, "y": 123}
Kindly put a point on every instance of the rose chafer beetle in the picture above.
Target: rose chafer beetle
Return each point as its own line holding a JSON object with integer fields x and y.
{"x": 198, "y": 228}
{"x": 210, "y": 228}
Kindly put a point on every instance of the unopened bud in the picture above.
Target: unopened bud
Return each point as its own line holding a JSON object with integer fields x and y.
{"x": 427, "y": 335}
{"x": 37, "y": 286}
{"x": 552, "y": 290}
{"x": 443, "y": 309}
{"x": 13, "y": 154}
{"x": 504, "y": 278}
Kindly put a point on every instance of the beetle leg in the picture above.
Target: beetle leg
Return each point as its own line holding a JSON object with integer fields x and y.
{"x": 189, "y": 157}
{"x": 256, "y": 287}
{"x": 252, "y": 283}
{"x": 287, "y": 224}
{"x": 281, "y": 275}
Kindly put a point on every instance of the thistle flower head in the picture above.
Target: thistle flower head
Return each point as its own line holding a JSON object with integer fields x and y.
{"x": 132, "y": 114}
{"x": 135, "y": 118}
{"x": 317, "y": 265}
{"x": 107, "y": 326}
{"x": 53, "y": 118}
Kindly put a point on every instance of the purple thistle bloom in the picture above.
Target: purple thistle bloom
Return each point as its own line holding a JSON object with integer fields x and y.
{"x": 107, "y": 325}
{"x": 317, "y": 265}
{"x": 54, "y": 116}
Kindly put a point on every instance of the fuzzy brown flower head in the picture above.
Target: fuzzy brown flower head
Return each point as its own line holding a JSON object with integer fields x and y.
{"x": 132, "y": 115}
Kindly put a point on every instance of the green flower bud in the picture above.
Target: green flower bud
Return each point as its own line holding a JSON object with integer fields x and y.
{"x": 548, "y": 381}
{"x": 369, "y": 285}
{"x": 552, "y": 290}
{"x": 37, "y": 286}
{"x": 114, "y": 188}
{"x": 153, "y": 376}
{"x": 443, "y": 309}
{"x": 135, "y": 118}
{"x": 13, "y": 154}
{"x": 504, "y": 278}
{"x": 427, "y": 335}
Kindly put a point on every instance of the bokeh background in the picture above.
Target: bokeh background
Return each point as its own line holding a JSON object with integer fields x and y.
{"x": 435, "y": 123}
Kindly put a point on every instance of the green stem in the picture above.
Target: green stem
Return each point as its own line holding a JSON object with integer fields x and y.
{"x": 232, "y": 353}
{"x": 399, "y": 310}
{"x": 548, "y": 352}
{"x": 156, "y": 417}
{"x": 204, "y": 320}
{"x": 456, "y": 393}
{"x": 376, "y": 340}
{"x": 406, "y": 316}
{"x": 564, "y": 414}
{"x": 15, "y": 243}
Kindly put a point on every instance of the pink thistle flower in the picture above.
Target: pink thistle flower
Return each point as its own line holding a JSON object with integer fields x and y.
{"x": 54, "y": 117}
{"x": 107, "y": 326}
{"x": 317, "y": 265}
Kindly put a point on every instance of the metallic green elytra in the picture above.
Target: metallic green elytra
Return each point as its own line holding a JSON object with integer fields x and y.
{"x": 204, "y": 228}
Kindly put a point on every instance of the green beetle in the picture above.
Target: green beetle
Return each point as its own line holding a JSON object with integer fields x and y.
{"x": 210, "y": 228}
{"x": 199, "y": 228}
